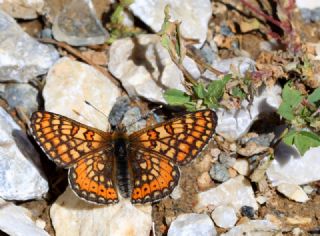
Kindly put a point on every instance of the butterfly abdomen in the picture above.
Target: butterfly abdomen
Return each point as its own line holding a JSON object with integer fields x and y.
{"x": 122, "y": 168}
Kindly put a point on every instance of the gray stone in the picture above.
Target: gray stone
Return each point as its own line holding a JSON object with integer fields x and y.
{"x": 192, "y": 224}
{"x": 132, "y": 120}
{"x": 20, "y": 175}
{"x": 219, "y": 172}
{"x": 77, "y": 24}
{"x": 18, "y": 221}
{"x": 261, "y": 140}
{"x": 194, "y": 15}
{"x": 22, "y": 57}
{"x": 247, "y": 211}
{"x": 226, "y": 159}
{"x": 22, "y": 96}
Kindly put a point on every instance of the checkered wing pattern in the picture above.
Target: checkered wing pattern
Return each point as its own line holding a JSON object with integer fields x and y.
{"x": 155, "y": 153}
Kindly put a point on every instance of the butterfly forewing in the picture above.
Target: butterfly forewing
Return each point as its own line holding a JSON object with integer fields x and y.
{"x": 64, "y": 140}
{"x": 180, "y": 139}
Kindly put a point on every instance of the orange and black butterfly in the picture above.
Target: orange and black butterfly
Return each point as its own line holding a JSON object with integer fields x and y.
{"x": 143, "y": 165}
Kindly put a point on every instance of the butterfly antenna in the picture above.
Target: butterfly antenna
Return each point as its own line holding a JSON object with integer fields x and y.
{"x": 79, "y": 114}
{"x": 94, "y": 107}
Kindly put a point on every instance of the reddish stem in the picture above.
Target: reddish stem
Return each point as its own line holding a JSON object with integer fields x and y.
{"x": 283, "y": 26}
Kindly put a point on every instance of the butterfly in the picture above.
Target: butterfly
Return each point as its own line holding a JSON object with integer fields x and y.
{"x": 142, "y": 165}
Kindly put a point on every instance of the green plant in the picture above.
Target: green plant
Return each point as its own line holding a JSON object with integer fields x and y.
{"x": 116, "y": 27}
{"x": 302, "y": 112}
{"x": 202, "y": 96}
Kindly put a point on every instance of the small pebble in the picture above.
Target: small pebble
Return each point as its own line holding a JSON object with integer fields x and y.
{"x": 219, "y": 172}
{"x": 247, "y": 211}
{"x": 204, "y": 181}
{"x": 215, "y": 152}
{"x": 224, "y": 216}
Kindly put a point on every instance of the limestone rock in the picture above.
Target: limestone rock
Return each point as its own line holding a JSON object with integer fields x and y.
{"x": 144, "y": 67}
{"x": 17, "y": 220}
{"x": 194, "y": 15}
{"x": 20, "y": 175}
{"x": 192, "y": 224}
{"x": 22, "y": 57}
{"x": 70, "y": 83}
{"x": 254, "y": 227}
{"x": 72, "y": 216}
{"x": 289, "y": 167}
{"x": 224, "y": 216}
{"x": 293, "y": 192}
{"x": 234, "y": 123}
{"x": 242, "y": 167}
{"x": 236, "y": 192}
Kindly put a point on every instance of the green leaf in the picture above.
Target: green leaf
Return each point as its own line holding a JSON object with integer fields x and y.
{"x": 191, "y": 106}
{"x": 291, "y": 96}
{"x": 314, "y": 96}
{"x": 176, "y": 97}
{"x": 199, "y": 90}
{"x": 237, "y": 92}
{"x": 290, "y": 99}
{"x": 303, "y": 140}
{"x": 216, "y": 87}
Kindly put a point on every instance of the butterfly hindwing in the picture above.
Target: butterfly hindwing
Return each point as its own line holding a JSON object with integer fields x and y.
{"x": 64, "y": 140}
{"x": 92, "y": 178}
{"x": 154, "y": 176}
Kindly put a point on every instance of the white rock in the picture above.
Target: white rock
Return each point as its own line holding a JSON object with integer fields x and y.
{"x": 192, "y": 224}
{"x": 22, "y": 57}
{"x": 310, "y": 4}
{"x": 235, "y": 192}
{"x": 235, "y": 123}
{"x": 224, "y": 216}
{"x": 293, "y": 192}
{"x": 307, "y": 189}
{"x": 25, "y": 9}
{"x": 176, "y": 193}
{"x": 239, "y": 65}
{"x": 20, "y": 175}
{"x": 17, "y": 221}
{"x": 70, "y": 83}
{"x": 144, "y": 67}
{"x": 289, "y": 167}
{"x": 193, "y": 15}
{"x": 73, "y": 217}
{"x": 242, "y": 167}
{"x": 254, "y": 228}
{"x": 261, "y": 199}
